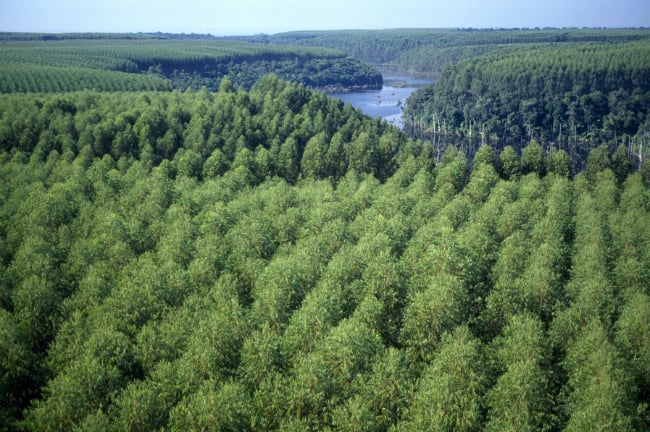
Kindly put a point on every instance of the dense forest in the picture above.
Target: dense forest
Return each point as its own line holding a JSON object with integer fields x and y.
{"x": 426, "y": 52}
{"x": 274, "y": 260}
{"x": 105, "y": 62}
{"x": 571, "y": 96}
{"x": 571, "y": 89}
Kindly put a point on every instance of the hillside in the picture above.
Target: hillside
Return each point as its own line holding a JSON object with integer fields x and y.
{"x": 571, "y": 89}
{"x": 571, "y": 96}
{"x": 426, "y": 52}
{"x": 104, "y": 62}
{"x": 273, "y": 260}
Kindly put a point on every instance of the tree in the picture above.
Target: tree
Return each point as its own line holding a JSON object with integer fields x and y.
{"x": 280, "y": 289}
{"x": 387, "y": 149}
{"x": 261, "y": 356}
{"x": 381, "y": 398}
{"x": 89, "y": 383}
{"x": 215, "y": 165}
{"x": 509, "y": 163}
{"x": 362, "y": 153}
{"x": 520, "y": 399}
{"x": 214, "y": 407}
{"x": 335, "y": 156}
{"x": 633, "y": 340}
{"x": 621, "y": 163}
{"x": 484, "y": 155}
{"x": 226, "y": 85}
{"x": 314, "y": 162}
{"x": 599, "y": 389}
{"x": 532, "y": 159}
{"x": 482, "y": 180}
{"x": 17, "y": 375}
{"x": 328, "y": 376}
{"x": 452, "y": 169}
{"x": 505, "y": 301}
{"x": 265, "y": 163}
{"x": 430, "y": 315}
{"x": 36, "y": 305}
{"x": 288, "y": 160}
{"x": 450, "y": 393}
{"x": 597, "y": 161}
{"x": 558, "y": 162}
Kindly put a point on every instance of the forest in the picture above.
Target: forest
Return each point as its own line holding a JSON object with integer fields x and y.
{"x": 188, "y": 242}
{"x": 274, "y": 260}
{"x": 105, "y": 62}
{"x": 426, "y": 52}
{"x": 571, "y": 89}
{"x": 574, "y": 97}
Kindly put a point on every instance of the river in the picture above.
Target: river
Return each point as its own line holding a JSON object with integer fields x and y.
{"x": 388, "y": 102}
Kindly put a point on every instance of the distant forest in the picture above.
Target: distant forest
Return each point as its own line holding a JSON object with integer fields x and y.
{"x": 59, "y": 63}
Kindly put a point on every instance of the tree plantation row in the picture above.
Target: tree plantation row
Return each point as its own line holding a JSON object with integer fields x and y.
{"x": 109, "y": 64}
{"x": 273, "y": 260}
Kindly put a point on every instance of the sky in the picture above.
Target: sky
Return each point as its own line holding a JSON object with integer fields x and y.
{"x": 245, "y": 17}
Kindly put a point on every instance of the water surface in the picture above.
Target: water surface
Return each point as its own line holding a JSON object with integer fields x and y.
{"x": 388, "y": 102}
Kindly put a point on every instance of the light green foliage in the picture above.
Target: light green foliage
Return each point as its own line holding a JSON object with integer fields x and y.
{"x": 558, "y": 162}
{"x": 481, "y": 182}
{"x": 532, "y": 159}
{"x": 450, "y": 392}
{"x": 510, "y": 163}
{"x": 314, "y": 163}
{"x": 505, "y": 299}
{"x": 633, "y": 337}
{"x": 328, "y": 375}
{"x": 431, "y": 314}
{"x": 152, "y": 63}
{"x": 214, "y": 407}
{"x": 519, "y": 401}
{"x": 274, "y": 260}
{"x": 452, "y": 169}
{"x": 484, "y": 155}
{"x": 380, "y": 400}
{"x": 600, "y": 392}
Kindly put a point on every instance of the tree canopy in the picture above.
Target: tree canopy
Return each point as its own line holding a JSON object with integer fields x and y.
{"x": 272, "y": 259}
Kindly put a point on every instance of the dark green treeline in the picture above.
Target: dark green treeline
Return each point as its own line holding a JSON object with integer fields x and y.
{"x": 567, "y": 96}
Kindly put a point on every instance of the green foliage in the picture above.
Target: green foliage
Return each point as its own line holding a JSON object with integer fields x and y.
{"x": 450, "y": 393}
{"x": 598, "y": 160}
{"x": 510, "y": 163}
{"x": 633, "y": 338}
{"x": 432, "y": 314}
{"x": 106, "y": 64}
{"x": 558, "y": 162}
{"x": 274, "y": 260}
{"x": 564, "y": 89}
{"x": 427, "y": 51}
{"x": 225, "y": 408}
{"x": 599, "y": 389}
{"x": 203, "y": 134}
{"x": 519, "y": 401}
{"x": 532, "y": 159}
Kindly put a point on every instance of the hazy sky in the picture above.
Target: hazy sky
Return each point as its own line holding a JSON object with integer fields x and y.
{"x": 271, "y": 16}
